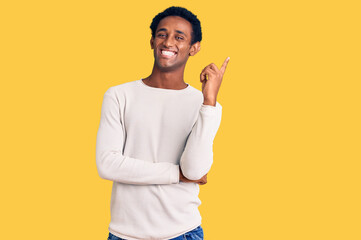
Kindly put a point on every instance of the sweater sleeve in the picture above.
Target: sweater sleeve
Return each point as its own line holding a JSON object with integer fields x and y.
{"x": 110, "y": 161}
{"x": 197, "y": 157}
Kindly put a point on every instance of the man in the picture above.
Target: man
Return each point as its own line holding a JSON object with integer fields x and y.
{"x": 156, "y": 135}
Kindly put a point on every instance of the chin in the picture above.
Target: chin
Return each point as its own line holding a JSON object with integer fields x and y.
{"x": 166, "y": 67}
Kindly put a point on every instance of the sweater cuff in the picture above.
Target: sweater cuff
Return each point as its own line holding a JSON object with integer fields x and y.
{"x": 209, "y": 109}
{"x": 174, "y": 174}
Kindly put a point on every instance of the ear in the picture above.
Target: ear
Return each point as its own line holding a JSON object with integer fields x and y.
{"x": 196, "y": 47}
{"x": 152, "y": 42}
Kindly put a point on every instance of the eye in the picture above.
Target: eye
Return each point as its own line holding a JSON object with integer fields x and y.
{"x": 179, "y": 38}
{"x": 161, "y": 35}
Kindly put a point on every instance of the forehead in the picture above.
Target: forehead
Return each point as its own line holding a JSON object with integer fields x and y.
{"x": 175, "y": 23}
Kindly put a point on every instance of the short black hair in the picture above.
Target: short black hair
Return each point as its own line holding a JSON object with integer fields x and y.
{"x": 180, "y": 12}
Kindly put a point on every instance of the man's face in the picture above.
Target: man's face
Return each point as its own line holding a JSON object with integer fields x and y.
{"x": 172, "y": 43}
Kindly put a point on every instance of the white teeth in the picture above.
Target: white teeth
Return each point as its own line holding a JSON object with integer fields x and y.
{"x": 168, "y": 53}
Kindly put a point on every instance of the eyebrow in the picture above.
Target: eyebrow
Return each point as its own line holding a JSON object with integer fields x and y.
{"x": 164, "y": 29}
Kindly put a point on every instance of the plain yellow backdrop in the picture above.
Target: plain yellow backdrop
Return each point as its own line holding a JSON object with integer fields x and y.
{"x": 286, "y": 156}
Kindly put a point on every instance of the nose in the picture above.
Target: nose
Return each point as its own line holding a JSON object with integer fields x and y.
{"x": 168, "y": 41}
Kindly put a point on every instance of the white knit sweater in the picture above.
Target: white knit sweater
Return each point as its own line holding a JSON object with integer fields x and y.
{"x": 145, "y": 134}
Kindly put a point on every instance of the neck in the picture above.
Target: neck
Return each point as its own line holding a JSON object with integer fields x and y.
{"x": 168, "y": 80}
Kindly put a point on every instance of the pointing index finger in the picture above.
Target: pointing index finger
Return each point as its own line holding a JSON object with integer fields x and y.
{"x": 224, "y": 65}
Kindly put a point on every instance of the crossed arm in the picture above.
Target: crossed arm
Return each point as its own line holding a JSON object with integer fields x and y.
{"x": 195, "y": 161}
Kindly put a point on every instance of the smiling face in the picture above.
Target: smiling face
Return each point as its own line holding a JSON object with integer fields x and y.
{"x": 172, "y": 43}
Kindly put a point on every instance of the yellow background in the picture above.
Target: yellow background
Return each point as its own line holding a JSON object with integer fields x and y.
{"x": 287, "y": 154}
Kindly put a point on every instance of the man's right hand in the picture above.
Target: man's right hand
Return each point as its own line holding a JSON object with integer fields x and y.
{"x": 201, "y": 181}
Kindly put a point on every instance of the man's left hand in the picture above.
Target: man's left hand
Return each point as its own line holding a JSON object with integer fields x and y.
{"x": 211, "y": 79}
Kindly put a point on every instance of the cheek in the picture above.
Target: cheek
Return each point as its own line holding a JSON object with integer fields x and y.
{"x": 184, "y": 51}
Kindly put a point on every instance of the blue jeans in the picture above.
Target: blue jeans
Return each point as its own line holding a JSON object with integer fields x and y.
{"x": 195, "y": 234}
